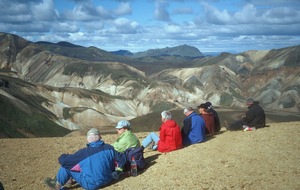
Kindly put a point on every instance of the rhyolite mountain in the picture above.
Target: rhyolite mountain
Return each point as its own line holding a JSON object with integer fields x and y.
{"x": 50, "y": 89}
{"x": 179, "y": 51}
{"x": 122, "y": 52}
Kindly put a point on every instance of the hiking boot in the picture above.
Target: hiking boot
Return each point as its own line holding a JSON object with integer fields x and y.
{"x": 70, "y": 183}
{"x": 51, "y": 183}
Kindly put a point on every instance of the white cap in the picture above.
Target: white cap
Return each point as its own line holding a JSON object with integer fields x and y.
{"x": 123, "y": 123}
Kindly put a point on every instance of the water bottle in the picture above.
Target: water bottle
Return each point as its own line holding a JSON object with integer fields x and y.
{"x": 133, "y": 167}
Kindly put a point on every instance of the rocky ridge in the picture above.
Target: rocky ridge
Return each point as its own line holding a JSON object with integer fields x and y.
{"x": 77, "y": 92}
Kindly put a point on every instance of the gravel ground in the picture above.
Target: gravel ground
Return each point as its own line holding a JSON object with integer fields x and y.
{"x": 267, "y": 158}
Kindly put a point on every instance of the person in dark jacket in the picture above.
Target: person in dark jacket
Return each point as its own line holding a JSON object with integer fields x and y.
{"x": 254, "y": 118}
{"x": 91, "y": 167}
{"x": 216, "y": 116}
{"x": 193, "y": 130}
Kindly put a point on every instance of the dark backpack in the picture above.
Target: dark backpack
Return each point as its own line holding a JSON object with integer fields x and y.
{"x": 138, "y": 154}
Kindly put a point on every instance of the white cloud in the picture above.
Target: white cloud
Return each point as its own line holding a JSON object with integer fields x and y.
{"x": 123, "y": 9}
{"x": 44, "y": 11}
{"x": 182, "y": 10}
{"x": 86, "y": 12}
{"x": 171, "y": 28}
{"x": 160, "y": 12}
{"x": 283, "y": 15}
{"x": 214, "y": 16}
{"x": 124, "y": 26}
{"x": 206, "y": 25}
{"x": 65, "y": 27}
{"x": 13, "y": 12}
{"x": 247, "y": 15}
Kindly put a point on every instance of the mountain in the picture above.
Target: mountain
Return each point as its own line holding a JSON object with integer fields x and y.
{"x": 182, "y": 51}
{"x": 122, "y": 52}
{"x": 65, "y": 87}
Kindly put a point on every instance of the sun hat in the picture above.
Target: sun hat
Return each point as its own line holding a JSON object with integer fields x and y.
{"x": 123, "y": 123}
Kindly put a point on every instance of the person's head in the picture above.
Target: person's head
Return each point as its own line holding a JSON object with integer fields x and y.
{"x": 187, "y": 111}
{"x": 249, "y": 102}
{"x": 202, "y": 108}
{"x": 93, "y": 135}
{"x": 209, "y": 105}
{"x": 166, "y": 115}
{"x": 122, "y": 126}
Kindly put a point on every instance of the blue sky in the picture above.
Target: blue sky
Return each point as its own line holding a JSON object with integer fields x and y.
{"x": 139, "y": 25}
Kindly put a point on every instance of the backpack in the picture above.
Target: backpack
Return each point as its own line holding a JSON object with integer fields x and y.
{"x": 138, "y": 154}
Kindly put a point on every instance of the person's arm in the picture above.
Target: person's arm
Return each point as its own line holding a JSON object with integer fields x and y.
{"x": 249, "y": 116}
{"x": 121, "y": 144}
{"x": 162, "y": 134}
{"x": 187, "y": 123}
{"x": 70, "y": 160}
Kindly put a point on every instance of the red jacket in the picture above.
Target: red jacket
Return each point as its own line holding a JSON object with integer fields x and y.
{"x": 209, "y": 123}
{"x": 169, "y": 137}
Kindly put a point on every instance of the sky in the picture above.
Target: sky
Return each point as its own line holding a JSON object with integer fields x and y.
{"x": 140, "y": 25}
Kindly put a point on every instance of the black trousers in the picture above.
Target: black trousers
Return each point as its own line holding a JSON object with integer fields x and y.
{"x": 236, "y": 125}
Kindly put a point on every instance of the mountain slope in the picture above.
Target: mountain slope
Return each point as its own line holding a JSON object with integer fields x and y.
{"x": 77, "y": 88}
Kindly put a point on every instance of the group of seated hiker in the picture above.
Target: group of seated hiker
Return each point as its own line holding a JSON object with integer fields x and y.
{"x": 93, "y": 167}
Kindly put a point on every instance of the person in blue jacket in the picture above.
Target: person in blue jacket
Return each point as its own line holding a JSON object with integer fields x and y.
{"x": 193, "y": 130}
{"x": 90, "y": 167}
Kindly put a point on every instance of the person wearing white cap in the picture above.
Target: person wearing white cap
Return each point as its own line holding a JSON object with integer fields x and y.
{"x": 91, "y": 167}
{"x": 126, "y": 137}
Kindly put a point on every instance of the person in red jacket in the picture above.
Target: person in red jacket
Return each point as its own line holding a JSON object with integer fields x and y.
{"x": 208, "y": 118}
{"x": 169, "y": 138}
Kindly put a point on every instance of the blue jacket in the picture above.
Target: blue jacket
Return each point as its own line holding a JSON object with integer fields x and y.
{"x": 193, "y": 130}
{"x": 96, "y": 162}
